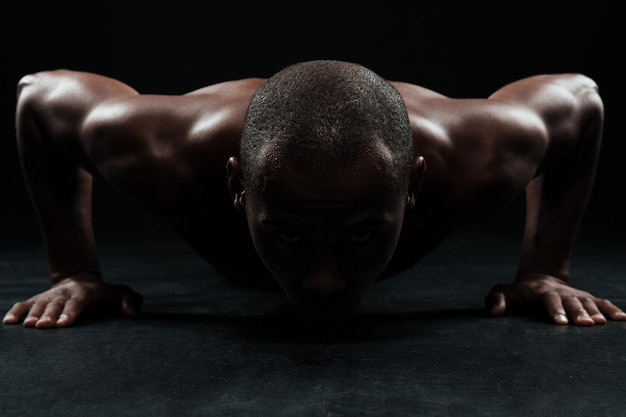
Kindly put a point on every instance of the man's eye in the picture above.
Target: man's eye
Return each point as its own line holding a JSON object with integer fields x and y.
{"x": 288, "y": 236}
{"x": 361, "y": 236}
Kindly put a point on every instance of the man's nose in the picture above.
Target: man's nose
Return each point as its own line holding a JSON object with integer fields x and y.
{"x": 323, "y": 277}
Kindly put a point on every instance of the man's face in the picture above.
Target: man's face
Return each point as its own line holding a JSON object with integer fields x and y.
{"x": 326, "y": 237}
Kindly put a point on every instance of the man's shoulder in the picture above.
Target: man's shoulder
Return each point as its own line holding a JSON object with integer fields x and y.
{"x": 480, "y": 154}
{"x": 241, "y": 89}
{"x": 158, "y": 156}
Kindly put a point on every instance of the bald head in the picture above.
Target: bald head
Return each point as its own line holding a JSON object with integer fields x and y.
{"x": 321, "y": 116}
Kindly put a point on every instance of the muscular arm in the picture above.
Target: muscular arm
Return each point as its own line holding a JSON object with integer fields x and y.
{"x": 159, "y": 149}
{"x": 51, "y": 110}
{"x": 572, "y": 112}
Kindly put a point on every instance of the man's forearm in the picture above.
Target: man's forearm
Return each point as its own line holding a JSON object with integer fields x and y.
{"x": 64, "y": 212}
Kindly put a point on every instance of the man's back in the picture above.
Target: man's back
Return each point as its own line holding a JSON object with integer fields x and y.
{"x": 171, "y": 152}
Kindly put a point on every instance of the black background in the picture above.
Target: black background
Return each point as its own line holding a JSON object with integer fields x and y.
{"x": 461, "y": 49}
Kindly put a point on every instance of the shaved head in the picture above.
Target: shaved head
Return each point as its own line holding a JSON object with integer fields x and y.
{"x": 321, "y": 116}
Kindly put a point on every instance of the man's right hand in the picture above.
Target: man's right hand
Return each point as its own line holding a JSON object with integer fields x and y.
{"x": 61, "y": 305}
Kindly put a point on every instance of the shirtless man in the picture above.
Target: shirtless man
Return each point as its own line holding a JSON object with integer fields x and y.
{"x": 310, "y": 180}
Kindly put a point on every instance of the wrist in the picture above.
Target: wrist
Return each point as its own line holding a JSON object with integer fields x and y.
{"x": 526, "y": 275}
{"x": 79, "y": 275}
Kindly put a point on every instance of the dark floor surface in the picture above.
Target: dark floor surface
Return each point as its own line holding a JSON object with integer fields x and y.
{"x": 421, "y": 344}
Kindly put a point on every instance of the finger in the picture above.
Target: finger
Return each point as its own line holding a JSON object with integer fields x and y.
{"x": 16, "y": 312}
{"x": 131, "y": 304}
{"x": 610, "y": 309}
{"x": 592, "y": 309}
{"x": 496, "y": 301}
{"x": 71, "y": 310}
{"x": 50, "y": 314}
{"x": 575, "y": 310}
{"x": 554, "y": 305}
{"x": 35, "y": 313}
{"x": 124, "y": 300}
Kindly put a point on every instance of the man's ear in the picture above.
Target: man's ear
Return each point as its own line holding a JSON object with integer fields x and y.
{"x": 234, "y": 179}
{"x": 416, "y": 180}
